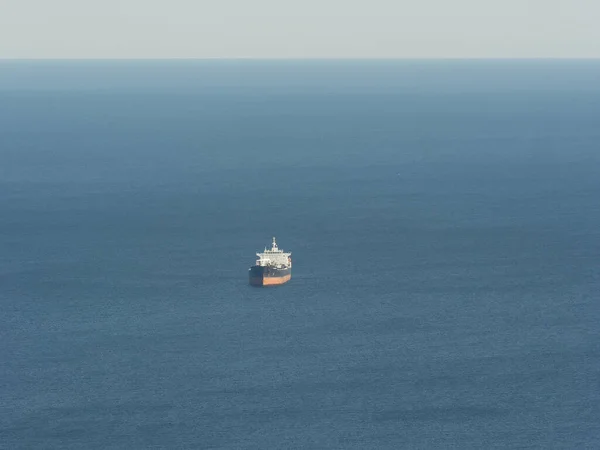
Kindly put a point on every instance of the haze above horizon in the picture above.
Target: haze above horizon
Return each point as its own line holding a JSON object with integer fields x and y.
{"x": 313, "y": 29}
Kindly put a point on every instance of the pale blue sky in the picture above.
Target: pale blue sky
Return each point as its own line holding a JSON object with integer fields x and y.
{"x": 299, "y": 29}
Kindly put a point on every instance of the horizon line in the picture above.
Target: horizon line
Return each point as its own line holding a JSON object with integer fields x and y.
{"x": 274, "y": 59}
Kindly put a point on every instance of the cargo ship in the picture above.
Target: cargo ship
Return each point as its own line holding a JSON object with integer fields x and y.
{"x": 273, "y": 267}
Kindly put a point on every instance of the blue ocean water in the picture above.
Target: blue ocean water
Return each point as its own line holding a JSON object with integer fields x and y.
{"x": 444, "y": 219}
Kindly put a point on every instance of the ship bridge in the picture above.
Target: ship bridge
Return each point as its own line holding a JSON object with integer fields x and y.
{"x": 274, "y": 257}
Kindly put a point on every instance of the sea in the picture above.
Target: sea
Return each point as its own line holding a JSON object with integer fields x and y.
{"x": 444, "y": 223}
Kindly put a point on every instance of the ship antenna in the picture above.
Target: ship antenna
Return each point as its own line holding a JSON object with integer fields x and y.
{"x": 274, "y": 243}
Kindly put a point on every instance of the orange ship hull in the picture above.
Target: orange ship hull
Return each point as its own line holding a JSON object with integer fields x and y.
{"x": 262, "y": 276}
{"x": 269, "y": 281}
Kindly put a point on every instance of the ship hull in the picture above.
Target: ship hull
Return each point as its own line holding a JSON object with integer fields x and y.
{"x": 268, "y": 276}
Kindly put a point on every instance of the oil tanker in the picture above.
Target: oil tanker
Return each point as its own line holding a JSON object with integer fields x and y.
{"x": 273, "y": 267}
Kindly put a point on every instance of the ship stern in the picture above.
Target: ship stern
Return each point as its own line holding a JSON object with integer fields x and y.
{"x": 266, "y": 276}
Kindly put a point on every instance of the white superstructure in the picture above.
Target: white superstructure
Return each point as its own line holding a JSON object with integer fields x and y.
{"x": 274, "y": 257}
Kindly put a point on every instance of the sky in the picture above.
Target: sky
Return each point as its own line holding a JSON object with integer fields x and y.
{"x": 263, "y": 29}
